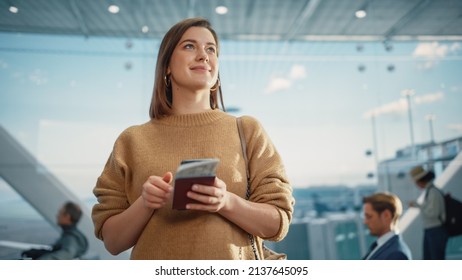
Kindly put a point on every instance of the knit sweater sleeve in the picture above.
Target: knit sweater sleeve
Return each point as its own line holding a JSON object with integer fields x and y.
{"x": 269, "y": 183}
{"x": 110, "y": 189}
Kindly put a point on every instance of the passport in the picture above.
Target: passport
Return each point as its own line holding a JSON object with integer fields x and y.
{"x": 190, "y": 172}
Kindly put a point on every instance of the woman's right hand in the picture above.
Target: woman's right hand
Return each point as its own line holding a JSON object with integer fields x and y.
{"x": 119, "y": 237}
{"x": 157, "y": 190}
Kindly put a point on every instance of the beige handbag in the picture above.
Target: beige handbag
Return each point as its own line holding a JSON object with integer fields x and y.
{"x": 268, "y": 254}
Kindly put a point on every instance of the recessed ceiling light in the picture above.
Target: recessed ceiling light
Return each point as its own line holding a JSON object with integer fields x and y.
{"x": 145, "y": 29}
{"x": 14, "y": 9}
{"x": 114, "y": 9}
{"x": 360, "y": 13}
{"x": 221, "y": 10}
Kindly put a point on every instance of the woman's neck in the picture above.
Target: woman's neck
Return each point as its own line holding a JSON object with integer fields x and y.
{"x": 190, "y": 102}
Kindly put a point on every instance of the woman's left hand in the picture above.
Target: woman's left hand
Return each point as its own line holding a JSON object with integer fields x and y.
{"x": 211, "y": 198}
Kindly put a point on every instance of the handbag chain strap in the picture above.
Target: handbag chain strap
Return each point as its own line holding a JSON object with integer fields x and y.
{"x": 247, "y": 195}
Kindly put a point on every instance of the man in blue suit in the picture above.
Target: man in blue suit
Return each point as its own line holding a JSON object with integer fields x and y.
{"x": 381, "y": 214}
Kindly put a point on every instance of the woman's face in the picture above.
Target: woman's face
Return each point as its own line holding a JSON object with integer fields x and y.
{"x": 194, "y": 62}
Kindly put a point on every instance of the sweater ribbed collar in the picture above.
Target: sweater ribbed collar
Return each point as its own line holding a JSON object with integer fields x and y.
{"x": 188, "y": 120}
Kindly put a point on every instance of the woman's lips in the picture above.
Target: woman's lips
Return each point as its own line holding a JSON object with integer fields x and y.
{"x": 200, "y": 68}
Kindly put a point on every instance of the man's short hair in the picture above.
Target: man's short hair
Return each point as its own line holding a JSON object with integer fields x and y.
{"x": 385, "y": 201}
{"x": 74, "y": 211}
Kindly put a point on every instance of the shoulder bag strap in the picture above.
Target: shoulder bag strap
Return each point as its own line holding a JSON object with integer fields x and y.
{"x": 247, "y": 195}
{"x": 244, "y": 154}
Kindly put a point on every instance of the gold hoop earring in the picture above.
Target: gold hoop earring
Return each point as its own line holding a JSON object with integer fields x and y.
{"x": 167, "y": 81}
{"x": 217, "y": 85}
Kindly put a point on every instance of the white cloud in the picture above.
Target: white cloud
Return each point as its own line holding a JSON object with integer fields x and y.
{"x": 297, "y": 72}
{"x": 392, "y": 107}
{"x": 429, "y": 98}
{"x": 433, "y": 52}
{"x": 278, "y": 84}
{"x": 401, "y": 105}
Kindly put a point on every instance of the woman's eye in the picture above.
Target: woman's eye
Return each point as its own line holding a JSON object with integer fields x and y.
{"x": 211, "y": 50}
{"x": 189, "y": 46}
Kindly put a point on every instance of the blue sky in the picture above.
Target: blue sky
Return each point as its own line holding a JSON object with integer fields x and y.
{"x": 67, "y": 98}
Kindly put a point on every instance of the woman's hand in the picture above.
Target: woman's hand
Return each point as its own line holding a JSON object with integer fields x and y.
{"x": 211, "y": 198}
{"x": 157, "y": 190}
{"x": 259, "y": 219}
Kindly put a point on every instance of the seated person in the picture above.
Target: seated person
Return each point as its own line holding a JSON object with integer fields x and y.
{"x": 72, "y": 243}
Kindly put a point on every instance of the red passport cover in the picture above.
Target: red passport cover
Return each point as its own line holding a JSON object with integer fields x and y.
{"x": 183, "y": 185}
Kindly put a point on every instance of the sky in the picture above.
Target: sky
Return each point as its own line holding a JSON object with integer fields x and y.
{"x": 66, "y": 99}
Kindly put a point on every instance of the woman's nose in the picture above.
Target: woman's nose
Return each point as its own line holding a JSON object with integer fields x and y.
{"x": 202, "y": 55}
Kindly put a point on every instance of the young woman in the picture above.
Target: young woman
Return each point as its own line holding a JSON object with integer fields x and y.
{"x": 433, "y": 215}
{"x": 135, "y": 189}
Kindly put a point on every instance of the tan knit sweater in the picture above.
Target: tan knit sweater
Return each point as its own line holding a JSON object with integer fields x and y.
{"x": 159, "y": 146}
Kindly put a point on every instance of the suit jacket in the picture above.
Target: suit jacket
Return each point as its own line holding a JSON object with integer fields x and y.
{"x": 394, "y": 249}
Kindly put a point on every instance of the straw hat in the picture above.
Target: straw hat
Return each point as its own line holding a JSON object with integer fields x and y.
{"x": 418, "y": 173}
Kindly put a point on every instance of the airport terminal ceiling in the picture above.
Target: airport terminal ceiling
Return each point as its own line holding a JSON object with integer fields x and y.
{"x": 292, "y": 20}
{"x": 332, "y": 71}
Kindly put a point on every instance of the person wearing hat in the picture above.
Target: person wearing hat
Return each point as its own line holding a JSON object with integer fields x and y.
{"x": 433, "y": 214}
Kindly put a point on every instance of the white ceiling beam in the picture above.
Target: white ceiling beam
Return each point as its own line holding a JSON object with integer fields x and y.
{"x": 408, "y": 17}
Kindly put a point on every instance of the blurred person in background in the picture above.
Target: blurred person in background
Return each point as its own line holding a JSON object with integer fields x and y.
{"x": 71, "y": 245}
{"x": 381, "y": 214}
{"x": 433, "y": 214}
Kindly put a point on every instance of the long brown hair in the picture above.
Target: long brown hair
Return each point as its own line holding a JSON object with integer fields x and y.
{"x": 161, "y": 102}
